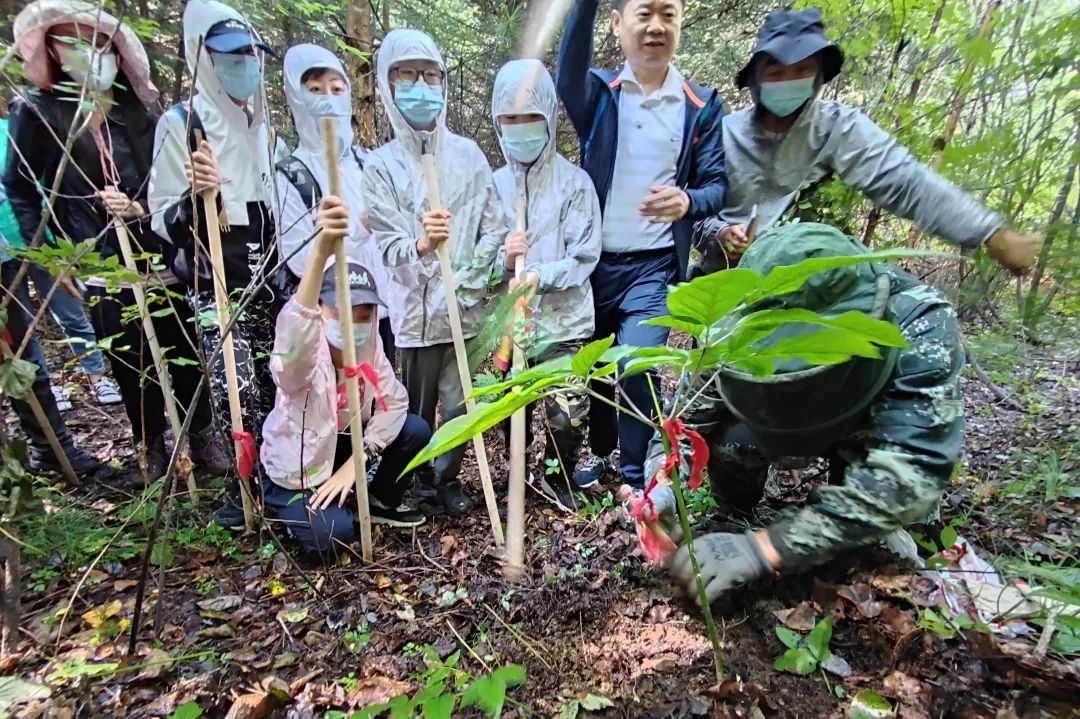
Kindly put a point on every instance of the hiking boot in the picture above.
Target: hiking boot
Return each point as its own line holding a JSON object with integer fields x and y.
{"x": 156, "y": 459}
{"x": 231, "y": 514}
{"x": 44, "y": 461}
{"x": 424, "y": 484}
{"x": 593, "y": 471}
{"x": 106, "y": 391}
{"x": 63, "y": 404}
{"x": 553, "y": 486}
{"x": 208, "y": 453}
{"x": 400, "y": 516}
{"x": 453, "y": 497}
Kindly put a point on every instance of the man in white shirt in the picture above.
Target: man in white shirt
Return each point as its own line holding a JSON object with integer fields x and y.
{"x": 651, "y": 142}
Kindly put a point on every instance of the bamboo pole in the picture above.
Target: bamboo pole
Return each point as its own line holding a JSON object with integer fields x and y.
{"x": 431, "y": 176}
{"x": 221, "y": 298}
{"x": 183, "y": 466}
{"x": 348, "y": 349}
{"x": 515, "y": 503}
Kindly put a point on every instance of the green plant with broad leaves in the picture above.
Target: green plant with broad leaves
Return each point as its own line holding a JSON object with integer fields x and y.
{"x": 804, "y": 655}
{"x": 732, "y": 327}
{"x": 448, "y": 690}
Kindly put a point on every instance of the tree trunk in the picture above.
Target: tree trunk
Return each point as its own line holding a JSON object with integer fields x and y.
{"x": 957, "y": 104}
{"x": 874, "y": 218}
{"x": 1055, "y": 216}
{"x": 358, "y": 25}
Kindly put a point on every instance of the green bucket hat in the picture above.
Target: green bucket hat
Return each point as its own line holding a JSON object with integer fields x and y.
{"x": 802, "y": 409}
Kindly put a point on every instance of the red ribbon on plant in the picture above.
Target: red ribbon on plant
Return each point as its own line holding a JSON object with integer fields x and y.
{"x": 366, "y": 372}
{"x": 656, "y": 545}
{"x": 245, "y": 459}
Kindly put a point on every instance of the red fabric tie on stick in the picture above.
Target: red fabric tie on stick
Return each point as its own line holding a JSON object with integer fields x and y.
{"x": 245, "y": 462}
{"x": 656, "y": 545}
{"x": 366, "y": 372}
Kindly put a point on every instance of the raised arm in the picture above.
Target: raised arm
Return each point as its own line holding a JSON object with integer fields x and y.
{"x": 578, "y": 95}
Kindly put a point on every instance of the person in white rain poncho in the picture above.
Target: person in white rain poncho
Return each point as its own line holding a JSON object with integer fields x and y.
{"x": 316, "y": 87}
{"x": 225, "y": 56}
{"x": 562, "y": 244}
{"x": 411, "y": 79}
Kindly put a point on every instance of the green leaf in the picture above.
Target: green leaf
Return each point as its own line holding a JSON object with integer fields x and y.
{"x": 800, "y": 661}
{"x": 587, "y": 356}
{"x": 870, "y": 705}
{"x": 948, "y": 536}
{"x": 818, "y": 639}
{"x": 595, "y": 702}
{"x": 704, "y": 300}
{"x": 441, "y": 707}
{"x": 17, "y": 377}
{"x": 691, "y": 328}
{"x": 14, "y": 690}
{"x": 191, "y": 710}
{"x": 788, "y": 278}
{"x": 512, "y": 675}
{"x": 486, "y": 692}
{"x": 790, "y": 638}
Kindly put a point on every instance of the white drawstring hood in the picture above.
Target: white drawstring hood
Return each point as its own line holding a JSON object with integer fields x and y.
{"x": 563, "y": 213}
{"x": 396, "y": 197}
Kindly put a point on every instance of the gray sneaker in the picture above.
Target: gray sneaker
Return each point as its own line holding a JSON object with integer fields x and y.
{"x": 106, "y": 391}
{"x": 63, "y": 404}
{"x": 593, "y": 470}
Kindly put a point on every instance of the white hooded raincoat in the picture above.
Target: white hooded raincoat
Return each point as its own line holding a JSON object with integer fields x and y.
{"x": 396, "y": 198}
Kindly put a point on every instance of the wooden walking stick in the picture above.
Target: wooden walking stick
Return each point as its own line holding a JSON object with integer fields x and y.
{"x": 243, "y": 443}
{"x": 431, "y": 176}
{"x": 515, "y": 501}
{"x": 31, "y": 400}
{"x": 348, "y": 350}
{"x": 184, "y": 465}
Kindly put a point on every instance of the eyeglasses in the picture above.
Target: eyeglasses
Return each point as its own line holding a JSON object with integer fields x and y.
{"x": 408, "y": 74}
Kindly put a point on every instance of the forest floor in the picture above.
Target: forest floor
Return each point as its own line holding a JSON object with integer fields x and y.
{"x": 598, "y": 632}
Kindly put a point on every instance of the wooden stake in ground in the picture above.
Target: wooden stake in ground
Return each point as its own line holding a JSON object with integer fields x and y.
{"x": 431, "y": 176}
{"x": 183, "y": 466}
{"x": 515, "y": 501}
{"x": 221, "y": 298}
{"x": 348, "y": 350}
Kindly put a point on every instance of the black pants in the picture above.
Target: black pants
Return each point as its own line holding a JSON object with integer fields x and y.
{"x": 133, "y": 365}
{"x": 386, "y": 334}
{"x": 18, "y": 322}
{"x": 253, "y": 341}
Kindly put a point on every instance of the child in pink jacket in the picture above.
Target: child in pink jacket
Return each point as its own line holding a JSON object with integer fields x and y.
{"x": 306, "y": 451}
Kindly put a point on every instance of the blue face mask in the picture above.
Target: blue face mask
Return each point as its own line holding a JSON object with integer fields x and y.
{"x": 526, "y": 141}
{"x": 784, "y": 98}
{"x": 361, "y": 332}
{"x": 239, "y": 75}
{"x": 419, "y": 102}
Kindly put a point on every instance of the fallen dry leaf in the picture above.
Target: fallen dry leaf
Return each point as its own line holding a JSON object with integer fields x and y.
{"x": 447, "y": 544}
{"x": 375, "y": 690}
{"x": 862, "y": 596}
{"x": 223, "y": 603}
{"x": 158, "y": 663}
{"x": 99, "y": 615}
{"x": 801, "y": 618}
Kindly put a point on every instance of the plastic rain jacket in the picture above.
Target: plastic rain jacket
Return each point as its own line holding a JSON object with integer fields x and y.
{"x": 563, "y": 211}
{"x": 300, "y": 434}
{"x": 241, "y": 146}
{"x": 296, "y": 220}
{"x": 396, "y": 197}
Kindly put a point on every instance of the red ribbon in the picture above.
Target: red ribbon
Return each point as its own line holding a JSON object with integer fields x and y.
{"x": 245, "y": 460}
{"x": 368, "y": 374}
{"x": 656, "y": 545}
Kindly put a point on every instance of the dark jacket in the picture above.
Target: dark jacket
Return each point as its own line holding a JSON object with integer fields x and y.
{"x": 38, "y": 130}
{"x": 591, "y": 98}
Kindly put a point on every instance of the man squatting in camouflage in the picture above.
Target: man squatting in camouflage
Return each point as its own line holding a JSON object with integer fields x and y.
{"x": 891, "y": 427}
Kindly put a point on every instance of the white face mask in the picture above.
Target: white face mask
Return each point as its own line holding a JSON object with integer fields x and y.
{"x": 338, "y": 107}
{"x": 361, "y": 332}
{"x": 88, "y": 66}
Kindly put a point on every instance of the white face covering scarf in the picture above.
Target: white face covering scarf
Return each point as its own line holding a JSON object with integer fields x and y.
{"x": 87, "y": 65}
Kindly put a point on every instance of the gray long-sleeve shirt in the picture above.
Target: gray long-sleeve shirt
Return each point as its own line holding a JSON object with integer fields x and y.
{"x": 768, "y": 169}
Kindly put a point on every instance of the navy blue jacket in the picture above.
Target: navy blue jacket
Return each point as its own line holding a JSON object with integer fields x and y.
{"x": 591, "y": 98}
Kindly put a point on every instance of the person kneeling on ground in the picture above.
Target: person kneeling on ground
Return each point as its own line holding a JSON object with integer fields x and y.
{"x": 892, "y": 428}
{"x": 306, "y": 447}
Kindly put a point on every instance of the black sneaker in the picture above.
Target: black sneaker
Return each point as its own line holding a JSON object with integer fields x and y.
{"x": 553, "y": 486}
{"x": 208, "y": 453}
{"x": 85, "y": 466}
{"x": 401, "y": 516}
{"x": 453, "y": 497}
{"x": 593, "y": 471}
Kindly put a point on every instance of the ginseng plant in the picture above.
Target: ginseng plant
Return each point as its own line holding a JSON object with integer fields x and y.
{"x": 724, "y": 315}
